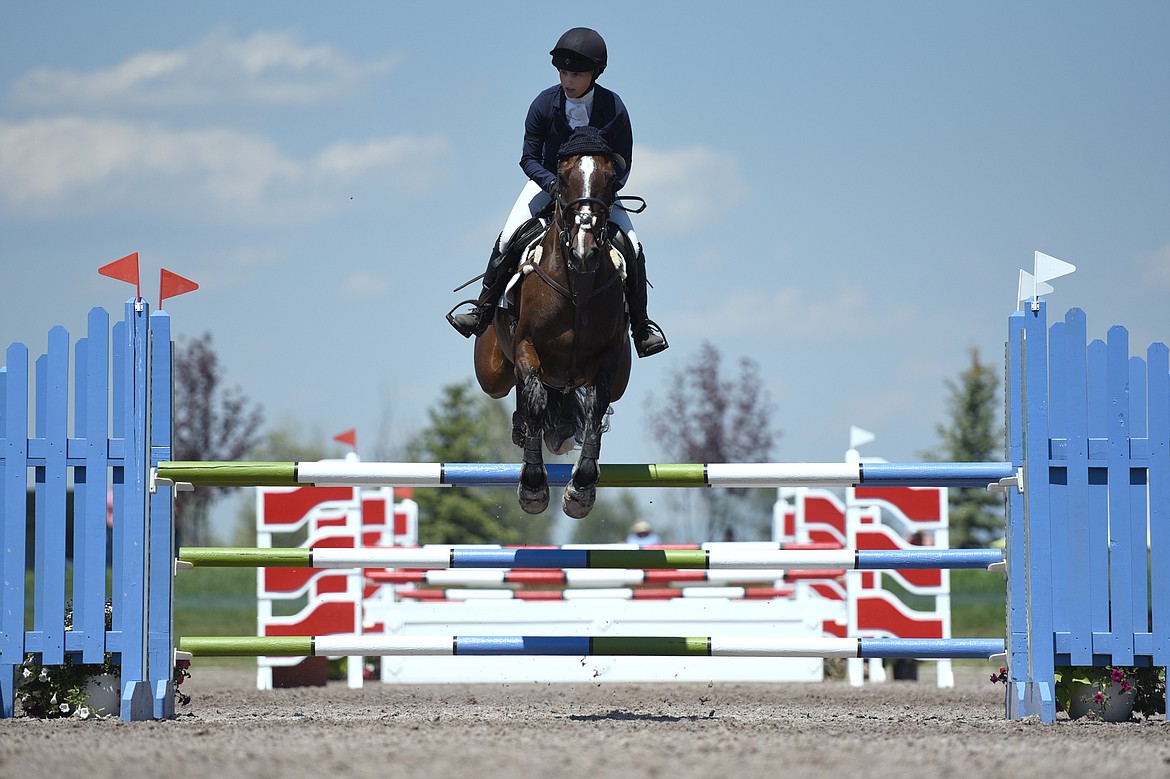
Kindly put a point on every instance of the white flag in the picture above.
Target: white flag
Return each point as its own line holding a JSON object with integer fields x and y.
{"x": 857, "y": 436}
{"x": 1047, "y": 268}
{"x": 1029, "y": 287}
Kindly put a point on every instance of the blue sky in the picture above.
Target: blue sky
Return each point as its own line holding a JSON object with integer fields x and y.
{"x": 842, "y": 191}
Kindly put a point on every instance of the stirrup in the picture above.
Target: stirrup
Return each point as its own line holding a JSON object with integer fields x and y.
{"x": 649, "y": 339}
{"x": 474, "y": 322}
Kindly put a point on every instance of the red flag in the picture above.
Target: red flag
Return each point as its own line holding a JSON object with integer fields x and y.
{"x": 172, "y": 284}
{"x": 125, "y": 269}
{"x": 349, "y": 438}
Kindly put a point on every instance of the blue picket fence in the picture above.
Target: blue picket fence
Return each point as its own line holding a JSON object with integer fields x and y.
{"x": 1088, "y": 547}
{"x": 120, "y": 428}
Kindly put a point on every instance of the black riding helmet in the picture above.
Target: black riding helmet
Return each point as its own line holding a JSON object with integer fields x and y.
{"x": 580, "y": 50}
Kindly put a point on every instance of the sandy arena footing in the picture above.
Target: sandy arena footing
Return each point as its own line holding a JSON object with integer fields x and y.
{"x": 895, "y": 729}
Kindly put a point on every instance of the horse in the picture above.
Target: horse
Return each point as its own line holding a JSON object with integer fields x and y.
{"x": 564, "y": 344}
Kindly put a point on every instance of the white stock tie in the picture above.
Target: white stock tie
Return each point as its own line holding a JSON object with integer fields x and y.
{"x": 578, "y": 114}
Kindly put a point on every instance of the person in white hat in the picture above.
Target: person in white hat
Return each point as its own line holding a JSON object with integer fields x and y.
{"x": 642, "y": 534}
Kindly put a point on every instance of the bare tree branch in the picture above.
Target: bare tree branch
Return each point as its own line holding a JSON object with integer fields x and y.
{"x": 707, "y": 417}
{"x": 210, "y": 423}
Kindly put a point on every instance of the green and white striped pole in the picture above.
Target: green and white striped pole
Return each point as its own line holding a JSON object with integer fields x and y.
{"x": 739, "y": 475}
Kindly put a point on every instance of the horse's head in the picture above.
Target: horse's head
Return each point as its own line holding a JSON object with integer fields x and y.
{"x": 587, "y": 175}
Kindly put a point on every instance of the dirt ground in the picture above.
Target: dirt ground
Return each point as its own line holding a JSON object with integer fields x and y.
{"x": 895, "y": 729}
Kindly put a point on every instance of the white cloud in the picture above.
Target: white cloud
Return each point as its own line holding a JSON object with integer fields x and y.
{"x": 364, "y": 284}
{"x": 268, "y": 67}
{"x": 1154, "y": 268}
{"x": 685, "y": 187}
{"x": 48, "y": 166}
{"x": 790, "y": 313}
{"x": 347, "y": 161}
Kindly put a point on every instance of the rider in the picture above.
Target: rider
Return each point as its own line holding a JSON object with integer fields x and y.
{"x": 580, "y": 57}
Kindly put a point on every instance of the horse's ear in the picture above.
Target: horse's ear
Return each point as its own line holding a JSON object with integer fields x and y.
{"x": 619, "y": 160}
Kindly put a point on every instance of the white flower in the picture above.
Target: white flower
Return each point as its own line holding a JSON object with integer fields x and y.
{"x": 64, "y": 707}
{"x": 26, "y": 673}
{"x": 82, "y": 713}
{"x": 53, "y": 700}
{"x": 44, "y": 677}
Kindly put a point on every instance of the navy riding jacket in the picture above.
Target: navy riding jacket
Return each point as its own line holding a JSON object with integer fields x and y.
{"x": 547, "y": 127}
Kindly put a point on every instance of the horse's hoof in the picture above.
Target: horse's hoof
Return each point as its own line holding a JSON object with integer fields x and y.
{"x": 578, "y": 501}
{"x": 533, "y": 501}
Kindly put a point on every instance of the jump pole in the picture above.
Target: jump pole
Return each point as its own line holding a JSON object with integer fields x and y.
{"x": 650, "y": 559}
{"x": 738, "y": 475}
{"x": 597, "y": 593}
{"x": 584, "y": 646}
{"x": 578, "y": 579}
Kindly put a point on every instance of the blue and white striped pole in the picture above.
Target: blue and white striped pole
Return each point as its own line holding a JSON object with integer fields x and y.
{"x": 717, "y": 557}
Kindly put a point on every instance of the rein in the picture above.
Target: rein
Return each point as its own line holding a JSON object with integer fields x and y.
{"x": 567, "y": 293}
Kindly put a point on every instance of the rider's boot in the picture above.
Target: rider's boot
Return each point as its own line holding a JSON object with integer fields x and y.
{"x": 501, "y": 267}
{"x": 648, "y": 336}
{"x": 483, "y": 309}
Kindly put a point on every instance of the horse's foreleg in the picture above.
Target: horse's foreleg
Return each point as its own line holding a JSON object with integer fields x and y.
{"x": 531, "y": 403}
{"x": 581, "y": 491}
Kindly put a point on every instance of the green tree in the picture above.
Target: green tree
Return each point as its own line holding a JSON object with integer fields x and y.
{"x": 973, "y": 433}
{"x": 709, "y": 417}
{"x": 466, "y": 426}
{"x": 287, "y": 442}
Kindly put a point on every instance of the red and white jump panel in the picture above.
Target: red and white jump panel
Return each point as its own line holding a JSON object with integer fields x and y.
{"x": 336, "y": 518}
{"x": 874, "y": 614}
{"x": 886, "y": 518}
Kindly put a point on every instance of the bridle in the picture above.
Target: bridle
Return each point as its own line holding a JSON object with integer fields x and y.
{"x": 569, "y": 213}
{"x": 572, "y": 218}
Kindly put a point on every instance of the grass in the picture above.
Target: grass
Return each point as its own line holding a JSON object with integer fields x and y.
{"x": 978, "y": 604}
{"x": 217, "y": 602}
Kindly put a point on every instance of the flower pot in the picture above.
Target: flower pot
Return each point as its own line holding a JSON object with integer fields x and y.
{"x": 1117, "y": 706}
{"x": 103, "y": 694}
